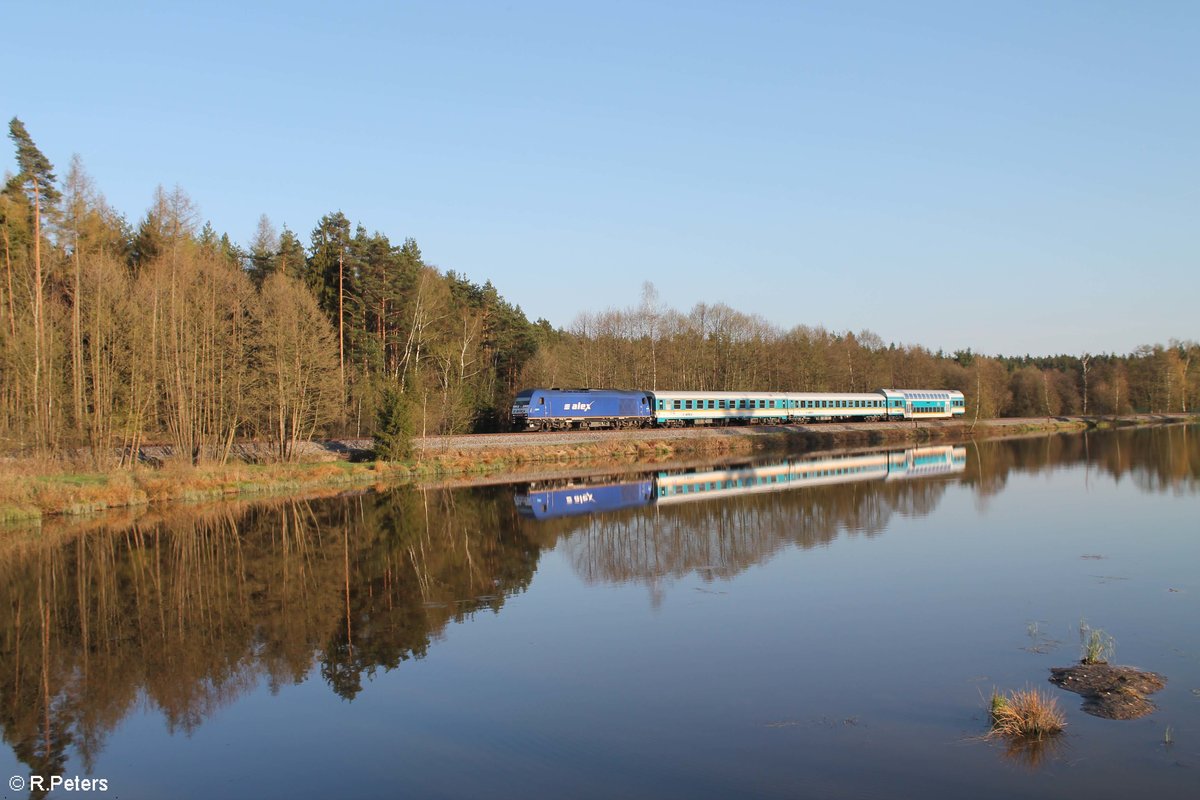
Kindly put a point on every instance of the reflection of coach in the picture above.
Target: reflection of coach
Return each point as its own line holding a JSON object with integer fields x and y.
{"x": 560, "y": 409}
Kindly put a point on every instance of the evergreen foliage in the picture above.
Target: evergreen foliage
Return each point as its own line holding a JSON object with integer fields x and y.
{"x": 394, "y": 427}
{"x": 33, "y": 168}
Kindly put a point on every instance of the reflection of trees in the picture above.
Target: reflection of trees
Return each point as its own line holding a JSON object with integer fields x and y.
{"x": 1157, "y": 459}
{"x": 187, "y": 613}
{"x": 721, "y": 539}
{"x": 189, "y": 610}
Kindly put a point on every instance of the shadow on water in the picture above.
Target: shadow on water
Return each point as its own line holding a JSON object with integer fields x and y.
{"x": 187, "y": 611}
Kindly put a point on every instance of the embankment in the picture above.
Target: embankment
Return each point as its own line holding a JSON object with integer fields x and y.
{"x": 31, "y": 490}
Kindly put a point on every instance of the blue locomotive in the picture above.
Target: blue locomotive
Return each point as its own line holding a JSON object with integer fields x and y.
{"x": 561, "y": 409}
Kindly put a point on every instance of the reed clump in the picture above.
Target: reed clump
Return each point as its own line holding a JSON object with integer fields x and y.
{"x": 1096, "y": 646}
{"x": 1025, "y": 714}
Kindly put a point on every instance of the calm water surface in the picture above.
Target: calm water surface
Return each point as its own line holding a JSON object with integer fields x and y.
{"x": 801, "y": 628}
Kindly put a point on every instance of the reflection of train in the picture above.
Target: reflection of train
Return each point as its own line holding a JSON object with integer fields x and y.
{"x": 559, "y": 409}
{"x": 668, "y": 488}
{"x": 575, "y": 499}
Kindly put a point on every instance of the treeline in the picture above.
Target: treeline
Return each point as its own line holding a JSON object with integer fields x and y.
{"x": 113, "y": 334}
{"x": 714, "y": 347}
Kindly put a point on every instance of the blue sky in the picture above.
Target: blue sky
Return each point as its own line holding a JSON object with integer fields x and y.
{"x": 1011, "y": 177}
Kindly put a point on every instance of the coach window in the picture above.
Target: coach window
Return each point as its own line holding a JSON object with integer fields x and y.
{"x": 687, "y": 403}
{"x": 712, "y": 404}
{"x": 676, "y": 405}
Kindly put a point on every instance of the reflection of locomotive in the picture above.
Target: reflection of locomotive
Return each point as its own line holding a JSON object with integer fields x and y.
{"x": 668, "y": 488}
{"x": 559, "y": 409}
{"x": 576, "y": 499}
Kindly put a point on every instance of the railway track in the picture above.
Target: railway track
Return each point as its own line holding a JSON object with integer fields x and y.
{"x": 487, "y": 441}
{"x": 360, "y": 448}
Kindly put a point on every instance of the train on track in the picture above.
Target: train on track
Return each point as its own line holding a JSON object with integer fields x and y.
{"x": 566, "y": 409}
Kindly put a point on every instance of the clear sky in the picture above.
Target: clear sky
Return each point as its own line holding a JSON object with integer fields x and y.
{"x": 1007, "y": 176}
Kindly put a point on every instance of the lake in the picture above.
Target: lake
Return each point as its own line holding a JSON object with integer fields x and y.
{"x": 793, "y": 627}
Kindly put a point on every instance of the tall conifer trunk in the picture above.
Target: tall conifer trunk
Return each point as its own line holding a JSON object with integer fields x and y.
{"x": 341, "y": 330}
{"x": 39, "y": 416}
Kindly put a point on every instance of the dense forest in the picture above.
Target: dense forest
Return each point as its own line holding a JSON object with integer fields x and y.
{"x": 115, "y": 333}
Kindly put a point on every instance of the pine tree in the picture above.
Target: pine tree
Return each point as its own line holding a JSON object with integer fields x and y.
{"x": 264, "y": 251}
{"x": 36, "y": 173}
{"x": 394, "y": 428}
{"x": 35, "y": 176}
{"x": 290, "y": 258}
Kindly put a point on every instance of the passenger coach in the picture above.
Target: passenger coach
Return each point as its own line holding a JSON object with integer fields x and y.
{"x": 672, "y": 409}
{"x": 924, "y": 403}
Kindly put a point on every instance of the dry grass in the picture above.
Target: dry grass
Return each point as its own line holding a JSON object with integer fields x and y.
{"x": 1025, "y": 714}
{"x": 28, "y": 494}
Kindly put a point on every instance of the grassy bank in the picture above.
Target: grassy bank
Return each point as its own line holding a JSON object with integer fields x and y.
{"x": 31, "y": 490}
